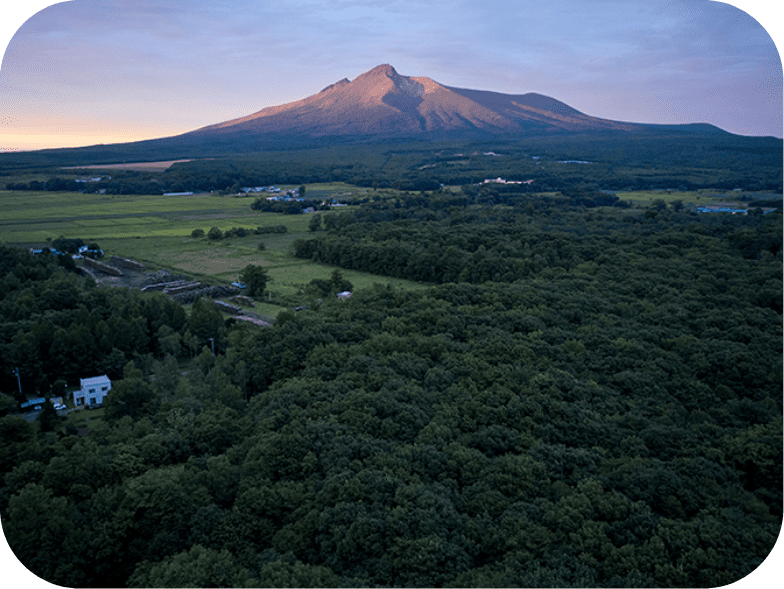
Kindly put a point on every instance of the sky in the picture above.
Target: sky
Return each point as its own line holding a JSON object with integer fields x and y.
{"x": 85, "y": 72}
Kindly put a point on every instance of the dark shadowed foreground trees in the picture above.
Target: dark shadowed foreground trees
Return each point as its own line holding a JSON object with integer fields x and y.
{"x": 606, "y": 411}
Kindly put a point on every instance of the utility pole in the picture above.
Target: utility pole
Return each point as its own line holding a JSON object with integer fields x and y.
{"x": 212, "y": 341}
{"x": 18, "y": 380}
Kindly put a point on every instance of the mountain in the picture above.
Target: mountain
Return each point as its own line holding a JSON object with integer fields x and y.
{"x": 382, "y": 104}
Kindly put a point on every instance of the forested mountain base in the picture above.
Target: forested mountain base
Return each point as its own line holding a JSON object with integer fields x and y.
{"x": 590, "y": 397}
{"x": 559, "y": 163}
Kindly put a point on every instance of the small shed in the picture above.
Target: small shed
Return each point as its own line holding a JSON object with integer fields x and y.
{"x": 92, "y": 391}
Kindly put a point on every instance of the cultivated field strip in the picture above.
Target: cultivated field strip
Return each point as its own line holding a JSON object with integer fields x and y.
{"x": 31, "y": 218}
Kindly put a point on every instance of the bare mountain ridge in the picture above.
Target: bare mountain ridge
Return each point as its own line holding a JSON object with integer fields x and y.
{"x": 381, "y": 103}
{"x": 382, "y": 106}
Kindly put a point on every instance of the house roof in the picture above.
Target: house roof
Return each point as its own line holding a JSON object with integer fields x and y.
{"x": 94, "y": 381}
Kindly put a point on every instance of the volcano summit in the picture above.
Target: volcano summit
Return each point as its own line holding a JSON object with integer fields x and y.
{"x": 381, "y": 104}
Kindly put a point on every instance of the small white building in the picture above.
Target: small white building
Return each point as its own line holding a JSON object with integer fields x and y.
{"x": 92, "y": 391}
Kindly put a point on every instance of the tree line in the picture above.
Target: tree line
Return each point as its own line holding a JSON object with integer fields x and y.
{"x": 291, "y": 207}
{"x": 614, "y": 162}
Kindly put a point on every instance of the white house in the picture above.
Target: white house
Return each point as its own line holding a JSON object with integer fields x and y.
{"x": 92, "y": 391}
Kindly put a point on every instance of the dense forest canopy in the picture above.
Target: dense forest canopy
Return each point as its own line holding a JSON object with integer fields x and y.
{"x": 587, "y": 395}
{"x": 496, "y": 234}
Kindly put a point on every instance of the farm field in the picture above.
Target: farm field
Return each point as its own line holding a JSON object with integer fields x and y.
{"x": 156, "y": 231}
{"x": 32, "y": 217}
{"x": 138, "y": 166}
{"x": 688, "y": 197}
{"x": 223, "y": 261}
{"x": 337, "y": 190}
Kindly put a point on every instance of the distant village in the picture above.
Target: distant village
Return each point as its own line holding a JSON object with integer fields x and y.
{"x": 290, "y": 195}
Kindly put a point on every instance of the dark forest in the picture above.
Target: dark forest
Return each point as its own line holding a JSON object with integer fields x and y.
{"x": 587, "y": 394}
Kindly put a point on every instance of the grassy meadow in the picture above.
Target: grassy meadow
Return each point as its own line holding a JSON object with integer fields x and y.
{"x": 687, "y": 197}
{"x": 156, "y": 230}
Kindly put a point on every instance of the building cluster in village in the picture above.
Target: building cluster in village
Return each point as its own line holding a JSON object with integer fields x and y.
{"x": 287, "y": 196}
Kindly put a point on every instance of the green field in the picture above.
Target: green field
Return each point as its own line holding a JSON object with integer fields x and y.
{"x": 156, "y": 230}
{"x": 687, "y": 197}
{"x": 31, "y": 217}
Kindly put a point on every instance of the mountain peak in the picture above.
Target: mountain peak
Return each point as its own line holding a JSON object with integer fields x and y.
{"x": 380, "y": 70}
{"x": 381, "y": 103}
